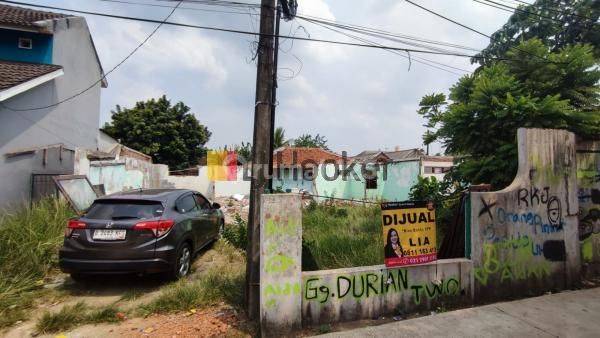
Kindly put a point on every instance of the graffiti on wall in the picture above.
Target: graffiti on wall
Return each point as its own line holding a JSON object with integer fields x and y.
{"x": 520, "y": 242}
{"x": 588, "y": 181}
{"x": 372, "y": 284}
{"x": 279, "y": 264}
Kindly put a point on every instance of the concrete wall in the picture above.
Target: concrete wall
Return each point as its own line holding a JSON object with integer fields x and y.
{"x": 368, "y": 292}
{"x": 16, "y": 173}
{"x": 524, "y": 237}
{"x": 228, "y": 188}
{"x": 115, "y": 176}
{"x": 588, "y": 180}
{"x": 280, "y": 263}
{"x": 197, "y": 183}
{"x": 73, "y": 123}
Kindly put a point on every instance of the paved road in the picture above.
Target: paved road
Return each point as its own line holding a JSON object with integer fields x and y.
{"x": 565, "y": 314}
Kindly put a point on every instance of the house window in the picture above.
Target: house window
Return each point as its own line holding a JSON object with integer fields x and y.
{"x": 25, "y": 43}
{"x": 371, "y": 183}
{"x": 308, "y": 174}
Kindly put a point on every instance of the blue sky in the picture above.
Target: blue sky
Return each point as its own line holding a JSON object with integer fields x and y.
{"x": 358, "y": 98}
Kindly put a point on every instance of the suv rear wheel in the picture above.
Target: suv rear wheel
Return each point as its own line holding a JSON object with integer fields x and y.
{"x": 183, "y": 262}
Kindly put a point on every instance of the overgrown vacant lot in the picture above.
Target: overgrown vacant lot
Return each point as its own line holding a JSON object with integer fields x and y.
{"x": 341, "y": 236}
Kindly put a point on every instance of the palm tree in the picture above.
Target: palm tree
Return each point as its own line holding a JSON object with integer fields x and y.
{"x": 279, "y": 138}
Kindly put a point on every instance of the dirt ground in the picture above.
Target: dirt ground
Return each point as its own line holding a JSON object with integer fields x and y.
{"x": 129, "y": 292}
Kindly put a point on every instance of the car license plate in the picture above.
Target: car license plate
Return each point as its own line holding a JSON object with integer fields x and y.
{"x": 109, "y": 235}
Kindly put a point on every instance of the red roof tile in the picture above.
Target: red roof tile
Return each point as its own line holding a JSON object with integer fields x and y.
{"x": 24, "y": 17}
{"x": 285, "y": 156}
{"x": 15, "y": 73}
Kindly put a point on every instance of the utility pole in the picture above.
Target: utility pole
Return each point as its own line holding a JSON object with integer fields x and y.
{"x": 261, "y": 155}
{"x": 274, "y": 95}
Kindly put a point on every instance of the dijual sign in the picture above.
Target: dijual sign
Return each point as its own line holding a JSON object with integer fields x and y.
{"x": 408, "y": 233}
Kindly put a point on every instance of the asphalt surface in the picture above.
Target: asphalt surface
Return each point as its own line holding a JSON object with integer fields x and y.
{"x": 565, "y": 314}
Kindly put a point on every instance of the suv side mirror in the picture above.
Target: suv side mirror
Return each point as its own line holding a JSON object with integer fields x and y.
{"x": 216, "y": 205}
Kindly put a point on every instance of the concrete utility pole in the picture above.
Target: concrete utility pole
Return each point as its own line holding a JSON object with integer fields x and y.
{"x": 261, "y": 155}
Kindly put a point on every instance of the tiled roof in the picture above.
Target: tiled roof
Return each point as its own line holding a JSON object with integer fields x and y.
{"x": 399, "y": 155}
{"x": 285, "y": 156}
{"x": 15, "y": 73}
{"x": 24, "y": 17}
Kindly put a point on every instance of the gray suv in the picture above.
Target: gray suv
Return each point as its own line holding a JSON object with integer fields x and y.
{"x": 141, "y": 231}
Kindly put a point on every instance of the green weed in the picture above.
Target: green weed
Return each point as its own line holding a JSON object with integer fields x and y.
{"x": 29, "y": 242}
{"x": 78, "y": 314}
{"x": 237, "y": 233}
{"x": 222, "y": 282}
{"x": 341, "y": 236}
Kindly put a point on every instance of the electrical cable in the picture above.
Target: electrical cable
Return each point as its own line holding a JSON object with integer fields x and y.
{"x": 419, "y": 60}
{"x": 473, "y": 30}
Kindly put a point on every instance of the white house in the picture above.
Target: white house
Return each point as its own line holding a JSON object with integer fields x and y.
{"x": 47, "y": 60}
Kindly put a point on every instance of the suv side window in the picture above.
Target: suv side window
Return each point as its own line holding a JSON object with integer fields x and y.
{"x": 186, "y": 204}
{"x": 202, "y": 202}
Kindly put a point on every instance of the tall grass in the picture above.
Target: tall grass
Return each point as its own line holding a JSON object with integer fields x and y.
{"x": 341, "y": 236}
{"x": 221, "y": 282}
{"x": 29, "y": 242}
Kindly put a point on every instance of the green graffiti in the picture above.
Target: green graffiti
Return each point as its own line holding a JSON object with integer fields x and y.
{"x": 281, "y": 229}
{"x": 369, "y": 285}
{"x": 519, "y": 266}
{"x": 278, "y": 263}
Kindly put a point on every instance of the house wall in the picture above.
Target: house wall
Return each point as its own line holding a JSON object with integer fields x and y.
{"x": 588, "y": 181}
{"x": 401, "y": 176}
{"x": 73, "y": 123}
{"x": 15, "y": 185}
{"x": 41, "y": 51}
{"x": 286, "y": 181}
{"x": 525, "y": 237}
{"x": 115, "y": 176}
{"x": 436, "y": 164}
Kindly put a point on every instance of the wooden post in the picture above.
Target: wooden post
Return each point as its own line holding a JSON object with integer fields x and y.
{"x": 260, "y": 152}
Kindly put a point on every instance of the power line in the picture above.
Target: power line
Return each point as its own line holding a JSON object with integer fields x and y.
{"x": 516, "y": 9}
{"x": 257, "y": 34}
{"x": 553, "y": 9}
{"x": 423, "y": 60}
{"x": 323, "y": 20}
{"x": 385, "y": 34}
{"x": 473, "y": 30}
{"x": 181, "y": 7}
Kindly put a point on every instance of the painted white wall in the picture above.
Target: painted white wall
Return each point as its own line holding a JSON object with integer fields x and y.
{"x": 73, "y": 123}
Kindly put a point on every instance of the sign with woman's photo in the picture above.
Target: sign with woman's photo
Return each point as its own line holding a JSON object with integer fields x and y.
{"x": 408, "y": 233}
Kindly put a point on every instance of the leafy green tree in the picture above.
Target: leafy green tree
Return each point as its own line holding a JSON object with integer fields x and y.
{"x": 244, "y": 150}
{"x": 557, "y": 23}
{"x": 309, "y": 141}
{"x": 485, "y": 109}
{"x": 169, "y": 133}
{"x": 279, "y": 138}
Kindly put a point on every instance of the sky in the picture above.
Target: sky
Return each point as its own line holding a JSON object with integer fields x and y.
{"x": 358, "y": 98}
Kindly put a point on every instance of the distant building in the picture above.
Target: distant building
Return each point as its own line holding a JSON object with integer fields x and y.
{"x": 295, "y": 167}
{"x": 45, "y": 59}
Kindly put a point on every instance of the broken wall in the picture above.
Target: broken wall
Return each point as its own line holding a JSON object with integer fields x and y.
{"x": 524, "y": 237}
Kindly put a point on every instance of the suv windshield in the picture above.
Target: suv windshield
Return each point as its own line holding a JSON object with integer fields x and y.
{"x": 124, "y": 209}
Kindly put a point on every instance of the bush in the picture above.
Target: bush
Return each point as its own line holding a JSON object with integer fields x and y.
{"x": 341, "y": 236}
{"x": 29, "y": 242}
{"x": 237, "y": 233}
